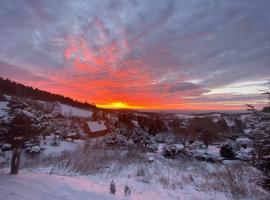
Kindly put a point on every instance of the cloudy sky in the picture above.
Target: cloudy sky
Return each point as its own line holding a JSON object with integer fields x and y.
{"x": 179, "y": 54}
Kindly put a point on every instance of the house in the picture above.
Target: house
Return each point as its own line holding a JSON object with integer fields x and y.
{"x": 58, "y": 115}
{"x": 95, "y": 128}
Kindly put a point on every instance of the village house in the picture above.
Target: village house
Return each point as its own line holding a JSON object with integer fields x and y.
{"x": 95, "y": 129}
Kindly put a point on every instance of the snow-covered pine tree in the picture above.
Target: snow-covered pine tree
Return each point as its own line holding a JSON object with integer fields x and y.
{"x": 22, "y": 127}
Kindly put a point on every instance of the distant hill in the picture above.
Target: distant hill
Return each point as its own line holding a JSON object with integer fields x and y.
{"x": 9, "y": 87}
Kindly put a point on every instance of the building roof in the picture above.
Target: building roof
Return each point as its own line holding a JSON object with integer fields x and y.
{"x": 58, "y": 115}
{"x": 96, "y": 126}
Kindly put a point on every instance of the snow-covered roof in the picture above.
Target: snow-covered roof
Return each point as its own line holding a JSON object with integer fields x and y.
{"x": 95, "y": 126}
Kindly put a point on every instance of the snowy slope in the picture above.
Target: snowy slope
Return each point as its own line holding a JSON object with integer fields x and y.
{"x": 39, "y": 186}
{"x": 49, "y": 187}
{"x": 73, "y": 111}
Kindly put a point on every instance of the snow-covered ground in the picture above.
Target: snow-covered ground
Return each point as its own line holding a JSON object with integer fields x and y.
{"x": 64, "y": 145}
{"x": 67, "y": 110}
{"x": 42, "y": 186}
{"x": 159, "y": 179}
{"x": 213, "y": 150}
{"x": 49, "y": 187}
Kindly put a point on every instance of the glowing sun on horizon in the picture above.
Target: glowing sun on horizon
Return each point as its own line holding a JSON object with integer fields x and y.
{"x": 117, "y": 105}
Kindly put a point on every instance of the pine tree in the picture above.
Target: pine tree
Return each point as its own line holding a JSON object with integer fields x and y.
{"x": 20, "y": 129}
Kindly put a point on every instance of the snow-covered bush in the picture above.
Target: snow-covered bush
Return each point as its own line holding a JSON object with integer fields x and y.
{"x": 204, "y": 156}
{"x": 72, "y": 136}
{"x": 116, "y": 139}
{"x": 55, "y": 141}
{"x": 172, "y": 151}
{"x": 241, "y": 149}
{"x": 142, "y": 138}
{"x": 34, "y": 149}
{"x": 229, "y": 149}
{"x": 151, "y": 159}
{"x": 164, "y": 138}
{"x": 245, "y": 154}
{"x": 6, "y": 147}
{"x": 244, "y": 142}
{"x": 197, "y": 145}
{"x": 153, "y": 147}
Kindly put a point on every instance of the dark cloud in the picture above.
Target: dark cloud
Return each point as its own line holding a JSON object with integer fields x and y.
{"x": 183, "y": 87}
{"x": 16, "y": 73}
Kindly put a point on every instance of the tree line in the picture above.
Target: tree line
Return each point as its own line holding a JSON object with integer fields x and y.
{"x": 12, "y": 88}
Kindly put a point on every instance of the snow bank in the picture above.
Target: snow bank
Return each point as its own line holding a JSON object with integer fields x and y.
{"x": 67, "y": 110}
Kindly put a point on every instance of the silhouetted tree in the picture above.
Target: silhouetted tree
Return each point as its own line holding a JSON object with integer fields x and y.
{"x": 204, "y": 129}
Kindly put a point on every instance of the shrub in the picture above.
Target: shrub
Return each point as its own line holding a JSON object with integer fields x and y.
{"x": 127, "y": 190}
{"x": 229, "y": 150}
{"x": 112, "y": 188}
{"x": 198, "y": 145}
{"x": 172, "y": 151}
{"x": 116, "y": 139}
{"x": 55, "y": 141}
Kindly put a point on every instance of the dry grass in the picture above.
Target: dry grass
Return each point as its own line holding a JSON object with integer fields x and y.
{"x": 237, "y": 180}
{"x": 88, "y": 159}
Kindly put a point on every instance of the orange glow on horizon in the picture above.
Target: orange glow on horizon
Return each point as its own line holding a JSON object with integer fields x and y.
{"x": 118, "y": 105}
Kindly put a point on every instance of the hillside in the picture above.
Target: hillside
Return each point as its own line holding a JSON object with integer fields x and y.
{"x": 9, "y": 87}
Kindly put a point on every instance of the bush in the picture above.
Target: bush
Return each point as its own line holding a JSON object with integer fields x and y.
{"x": 229, "y": 150}
{"x": 198, "y": 145}
{"x": 112, "y": 188}
{"x": 116, "y": 139}
{"x": 171, "y": 151}
{"x": 142, "y": 138}
{"x": 34, "y": 149}
{"x": 55, "y": 141}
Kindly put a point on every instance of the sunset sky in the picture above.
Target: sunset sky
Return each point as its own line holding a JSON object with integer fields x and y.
{"x": 147, "y": 54}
